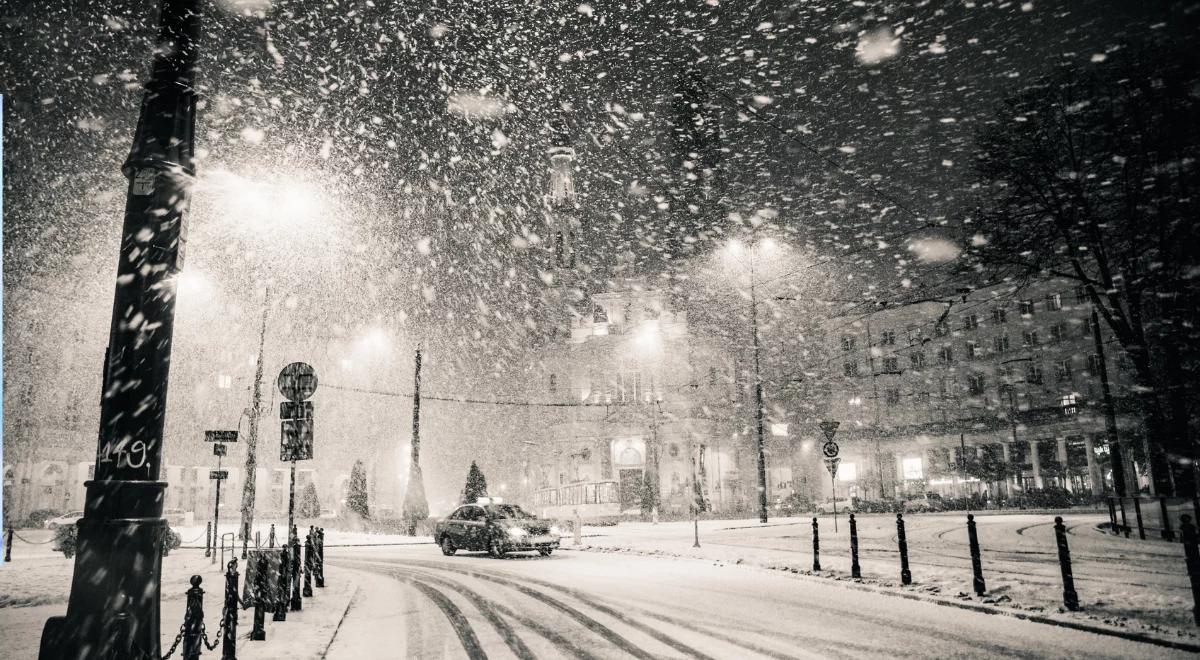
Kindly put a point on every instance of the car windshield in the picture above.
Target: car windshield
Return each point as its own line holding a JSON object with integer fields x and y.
{"x": 510, "y": 511}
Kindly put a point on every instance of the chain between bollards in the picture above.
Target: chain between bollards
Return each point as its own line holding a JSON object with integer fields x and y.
{"x": 816, "y": 546}
{"x": 976, "y": 562}
{"x": 902, "y": 540}
{"x": 855, "y": 571}
{"x": 1070, "y": 598}
{"x": 1191, "y": 553}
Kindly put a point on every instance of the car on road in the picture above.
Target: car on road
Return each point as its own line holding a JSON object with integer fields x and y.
{"x": 924, "y": 504}
{"x": 497, "y": 528}
{"x": 63, "y": 520}
{"x": 827, "y": 506}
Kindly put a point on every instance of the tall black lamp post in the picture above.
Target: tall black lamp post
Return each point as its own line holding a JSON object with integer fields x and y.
{"x": 114, "y": 601}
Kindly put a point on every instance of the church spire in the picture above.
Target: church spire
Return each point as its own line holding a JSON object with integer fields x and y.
{"x": 561, "y": 205}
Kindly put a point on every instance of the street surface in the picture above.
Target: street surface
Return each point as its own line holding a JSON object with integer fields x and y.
{"x": 413, "y": 602}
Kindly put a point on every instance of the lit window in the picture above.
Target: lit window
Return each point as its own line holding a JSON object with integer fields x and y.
{"x": 1054, "y": 301}
{"x": 224, "y": 382}
{"x": 847, "y": 472}
{"x": 1069, "y": 403}
{"x": 912, "y": 468}
{"x": 779, "y": 429}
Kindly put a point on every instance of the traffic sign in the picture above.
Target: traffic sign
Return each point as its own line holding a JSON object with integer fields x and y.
{"x": 831, "y": 464}
{"x": 830, "y": 449}
{"x": 297, "y": 440}
{"x": 219, "y": 449}
{"x": 297, "y": 381}
{"x": 218, "y": 474}
{"x": 295, "y": 410}
{"x": 220, "y": 436}
{"x": 829, "y": 427}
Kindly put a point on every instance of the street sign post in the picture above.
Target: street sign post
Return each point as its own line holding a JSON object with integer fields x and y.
{"x": 829, "y": 427}
{"x": 220, "y": 436}
{"x": 296, "y": 382}
{"x": 831, "y": 464}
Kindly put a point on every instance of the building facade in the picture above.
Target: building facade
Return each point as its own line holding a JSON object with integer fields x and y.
{"x": 995, "y": 392}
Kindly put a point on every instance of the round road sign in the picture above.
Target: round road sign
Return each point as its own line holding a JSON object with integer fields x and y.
{"x": 830, "y": 449}
{"x": 297, "y": 381}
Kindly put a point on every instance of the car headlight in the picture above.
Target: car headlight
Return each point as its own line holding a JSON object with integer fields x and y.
{"x": 555, "y": 531}
{"x": 517, "y": 532}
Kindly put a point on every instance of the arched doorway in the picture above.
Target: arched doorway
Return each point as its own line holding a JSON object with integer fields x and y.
{"x": 51, "y": 491}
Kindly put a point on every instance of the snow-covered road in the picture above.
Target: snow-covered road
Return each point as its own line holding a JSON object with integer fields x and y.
{"x": 413, "y": 602}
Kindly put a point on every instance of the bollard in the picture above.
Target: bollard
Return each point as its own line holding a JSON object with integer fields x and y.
{"x": 282, "y": 591}
{"x": 308, "y": 565}
{"x": 816, "y": 547}
{"x": 976, "y": 563}
{"x": 578, "y": 528}
{"x": 1070, "y": 598}
{"x": 271, "y": 537}
{"x": 297, "y": 604}
{"x": 320, "y": 557}
{"x": 193, "y": 621}
{"x": 259, "y": 632}
{"x": 208, "y": 541}
{"x": 1192, "y": 554}
{"x": 229, "y": 635}
{"x": 257, "y": 540}
{"x": 8, "y": 545}
{"x": 902, "y": 540}
{"x": 855, "y": 571}
{"x": 1114, "y": 529}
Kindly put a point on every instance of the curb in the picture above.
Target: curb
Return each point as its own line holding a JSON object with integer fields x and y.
{"x": 859, "y": 585}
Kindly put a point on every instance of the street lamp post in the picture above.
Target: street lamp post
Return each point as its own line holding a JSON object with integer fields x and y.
{"x": 758, "y": 401}
{"x": 118, "y": 563}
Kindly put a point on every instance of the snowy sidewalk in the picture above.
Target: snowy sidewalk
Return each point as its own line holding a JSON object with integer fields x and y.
{"x": 1124, "y": 585}
{"x": 36, "y": 586}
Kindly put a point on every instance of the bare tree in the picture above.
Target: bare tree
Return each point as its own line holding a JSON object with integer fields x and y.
{"x": 1091, "y": 175}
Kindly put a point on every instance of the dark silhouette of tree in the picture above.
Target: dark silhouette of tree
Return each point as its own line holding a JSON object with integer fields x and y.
{"x": 356, "y": 500}
{"x": 1091, "y": 175}
{"x": 310, "y": 502}
{"x": 476, "y": 485}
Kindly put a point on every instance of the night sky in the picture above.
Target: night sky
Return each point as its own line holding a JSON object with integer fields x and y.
{"x": 851, "y": 122}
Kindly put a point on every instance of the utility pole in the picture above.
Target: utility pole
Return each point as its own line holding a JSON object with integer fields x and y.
{"x": 758, "y": 398}
{"x": 416, "y": 507}
{"x": 249, "y": 486}
{"x": 118, "y": 563}
{"x": 654, "y": 466}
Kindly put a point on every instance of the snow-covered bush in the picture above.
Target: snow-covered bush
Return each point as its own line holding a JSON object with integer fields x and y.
{"x": 65, "y": 539}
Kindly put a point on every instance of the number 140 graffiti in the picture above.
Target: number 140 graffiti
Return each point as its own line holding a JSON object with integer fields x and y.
{"x": 126, "y": 454}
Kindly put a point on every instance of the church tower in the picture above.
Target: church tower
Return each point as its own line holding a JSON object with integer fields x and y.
{"x": 561, "y": 209}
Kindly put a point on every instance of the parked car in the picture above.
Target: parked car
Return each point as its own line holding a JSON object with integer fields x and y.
{"x": 495, "y": 527}
{"x": 924, "y": 504}
{"x": 65, "y": 519}
{"x": 828, "y": 506}
{"x": 792, "y": 505}
{"x": 328, "y": 514}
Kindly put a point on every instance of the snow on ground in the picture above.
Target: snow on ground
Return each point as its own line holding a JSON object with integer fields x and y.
{"x": 37, "y": 584}
{"x": 1134, "y": 585}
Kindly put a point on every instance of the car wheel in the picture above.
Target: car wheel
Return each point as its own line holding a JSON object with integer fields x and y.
{"x": 495, "y": 549}
{"x": 448, "y": 548}
{"x": 545, "y": 552}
